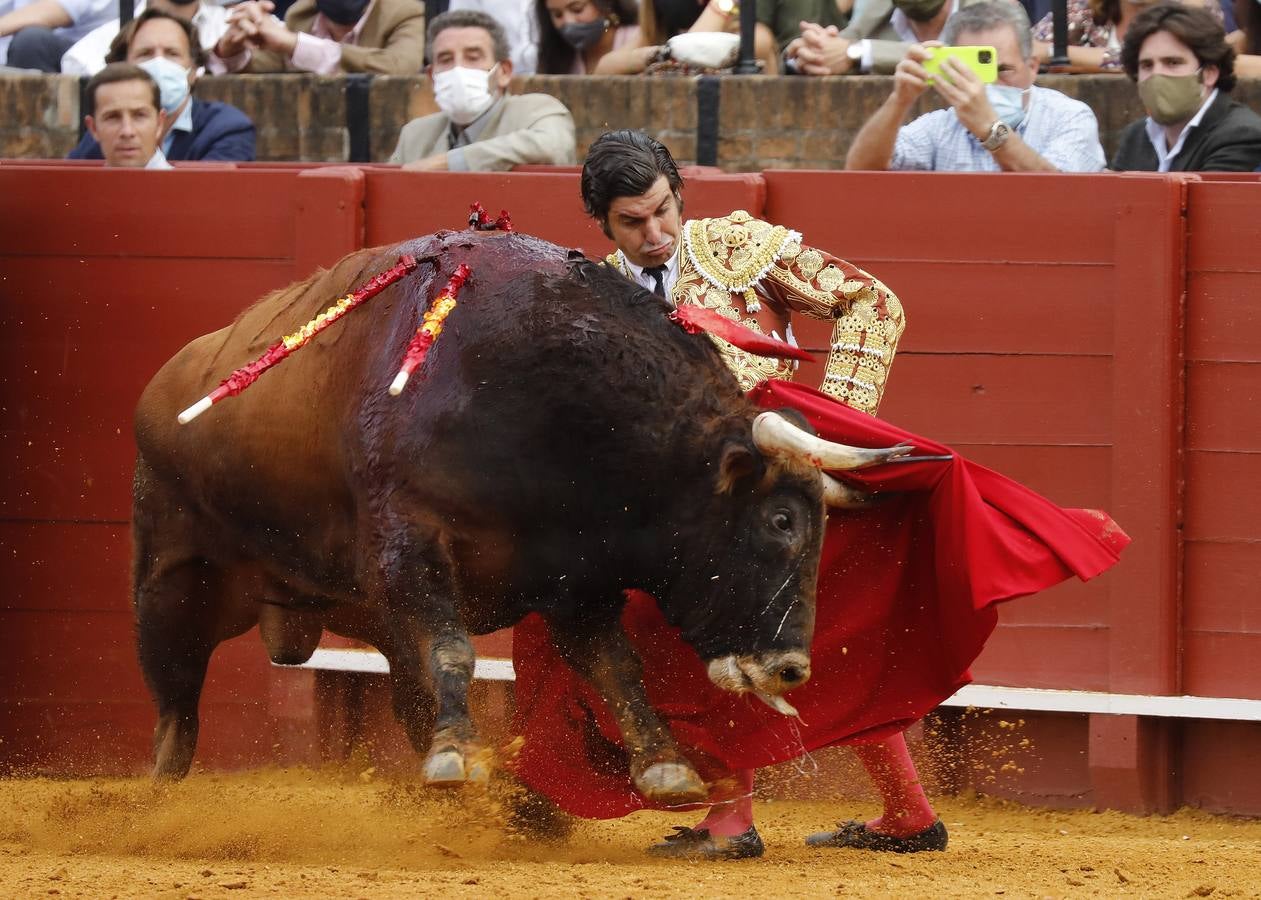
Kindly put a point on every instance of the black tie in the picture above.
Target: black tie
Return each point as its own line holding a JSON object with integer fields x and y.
{"x": 656, "y": 272}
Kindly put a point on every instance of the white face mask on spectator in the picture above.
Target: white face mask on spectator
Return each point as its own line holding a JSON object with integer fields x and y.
{"x": 463, "y": 93}
{"x": 172, "y": 79}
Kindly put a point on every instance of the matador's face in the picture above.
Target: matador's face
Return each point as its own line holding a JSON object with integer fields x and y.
{"x": 646, "y": 227}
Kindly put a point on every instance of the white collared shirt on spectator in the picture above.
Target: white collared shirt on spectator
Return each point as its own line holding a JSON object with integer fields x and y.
{"x": 1061, "y": 130}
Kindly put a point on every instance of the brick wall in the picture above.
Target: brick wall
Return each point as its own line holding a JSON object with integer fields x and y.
{"x": 763, "y": 122}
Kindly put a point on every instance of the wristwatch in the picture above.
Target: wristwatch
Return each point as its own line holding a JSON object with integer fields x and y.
{"x": 1000, "y": 131}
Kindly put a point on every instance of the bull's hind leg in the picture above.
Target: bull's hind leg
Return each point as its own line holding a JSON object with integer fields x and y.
{"x": 601, "y": 652}
{"x": 178, "y": 626}
{"x": 421, "y": 595}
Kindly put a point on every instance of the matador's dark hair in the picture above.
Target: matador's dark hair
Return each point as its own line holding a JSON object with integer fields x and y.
{"x": 625, "y": 163}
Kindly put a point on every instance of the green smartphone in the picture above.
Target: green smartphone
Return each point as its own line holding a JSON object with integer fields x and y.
{"x": 983, "y": 61}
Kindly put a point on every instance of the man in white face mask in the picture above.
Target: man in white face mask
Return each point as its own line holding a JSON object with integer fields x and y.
{"x": 1185, "y": 71}
{"x": 480, "y": 127}
{"x": 1009, "y": 126}
{"x": 166, "y": 46}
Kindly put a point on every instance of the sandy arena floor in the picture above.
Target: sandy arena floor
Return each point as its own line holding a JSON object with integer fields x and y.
{"x": 297, "y": 833}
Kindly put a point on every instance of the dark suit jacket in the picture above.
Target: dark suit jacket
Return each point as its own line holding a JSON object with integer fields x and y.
{"x": 219, "y": 131}
{"x": 1228, "y": 139}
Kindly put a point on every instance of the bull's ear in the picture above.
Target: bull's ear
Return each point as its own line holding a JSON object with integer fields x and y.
{"x": 738, "y": 462}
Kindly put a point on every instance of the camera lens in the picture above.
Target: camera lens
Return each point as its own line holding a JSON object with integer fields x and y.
{"x": 985, "y": 56}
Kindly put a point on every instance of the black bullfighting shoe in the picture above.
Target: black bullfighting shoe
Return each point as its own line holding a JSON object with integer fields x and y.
{"x": 698, "y": 843}
{"x": 860, "y": 837}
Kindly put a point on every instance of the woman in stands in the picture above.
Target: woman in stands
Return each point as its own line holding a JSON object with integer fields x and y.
{"x": 1096, "y": 30}
{"x": 574, "y": 35}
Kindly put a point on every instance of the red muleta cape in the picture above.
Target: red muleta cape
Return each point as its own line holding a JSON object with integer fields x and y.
{"x": 906, "y": 596}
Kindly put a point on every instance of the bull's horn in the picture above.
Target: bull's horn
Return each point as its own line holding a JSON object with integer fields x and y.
{"x": 839, "y": 495}
{"x": 776, "y": 436}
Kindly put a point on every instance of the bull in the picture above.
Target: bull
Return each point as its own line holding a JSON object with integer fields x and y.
{"x": 562, "y": 443}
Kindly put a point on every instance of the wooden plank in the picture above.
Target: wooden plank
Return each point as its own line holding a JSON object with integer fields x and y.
{"x": 1068, "y": 475}
{"x": 1213, "y": 756}
{"x": 1220, "y": 586}
{"x": 1045, "y": 656}
{"x": 1223, "y": 664}
{"x": 76, "y": 362}
{"x": 1223, "y": 316}
{"x": 1217, "y": 394}
{"x": 1223, "y": 228}
{"x": 1147, "y": 410}
{"x": 69, "y": 567}
{"x": 1002, "y": 399}
{"x": 55, "y": 655}
{"x": 950, "y": 216}
{"x": 1222, "y": 497}
{"x": 109, "y": 212}
{"x": 1063, "y": 315}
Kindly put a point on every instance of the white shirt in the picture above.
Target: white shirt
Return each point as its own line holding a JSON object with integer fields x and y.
{"x": 87, "y": 57}
{"x": 1156, "y": 134}
{"x": 158, "y": 161}
{"x": 902, "y": 25}
{"x": 645, "y": 279}
{"x": 85, "y": 15}
{"x": 1061, "y": 130}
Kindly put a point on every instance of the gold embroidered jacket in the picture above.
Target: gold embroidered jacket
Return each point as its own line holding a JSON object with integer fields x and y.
{"x": 755, "y": 273}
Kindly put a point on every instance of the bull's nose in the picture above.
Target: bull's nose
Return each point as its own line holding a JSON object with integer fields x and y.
{"x": 793, "y": 674}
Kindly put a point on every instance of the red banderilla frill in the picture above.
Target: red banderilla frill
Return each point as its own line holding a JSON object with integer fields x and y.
{"x": 480, "y": 220}
{"x": 249, "y": 373}
{"x": 430, "y": 328}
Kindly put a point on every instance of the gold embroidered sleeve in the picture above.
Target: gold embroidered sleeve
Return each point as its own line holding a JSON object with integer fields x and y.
{"x": 868, "y": 320}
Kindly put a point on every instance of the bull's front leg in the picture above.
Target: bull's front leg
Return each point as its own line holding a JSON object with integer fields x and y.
{"x": 421, "y": 595}
{"x": 603, "y": 655}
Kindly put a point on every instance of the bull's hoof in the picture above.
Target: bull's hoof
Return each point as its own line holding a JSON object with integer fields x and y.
{"x": 671, "y": 783}
{"x": 450, "y": 768}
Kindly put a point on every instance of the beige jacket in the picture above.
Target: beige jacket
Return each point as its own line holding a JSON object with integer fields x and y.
{"x": 392, "y": 41}
{"x": 524, "y": 128}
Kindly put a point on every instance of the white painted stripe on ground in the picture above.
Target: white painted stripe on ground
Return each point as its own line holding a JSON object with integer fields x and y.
{"x": 981, "y": 696}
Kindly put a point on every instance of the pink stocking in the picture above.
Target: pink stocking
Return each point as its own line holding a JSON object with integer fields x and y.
{"x": 734, "y": 816}
{"x": 906, "y": 808}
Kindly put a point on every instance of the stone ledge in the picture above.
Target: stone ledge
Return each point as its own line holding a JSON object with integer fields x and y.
{"x": 763, "y": 122}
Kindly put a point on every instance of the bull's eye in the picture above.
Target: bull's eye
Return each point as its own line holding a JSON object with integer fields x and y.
{"x": 782, "y": 521}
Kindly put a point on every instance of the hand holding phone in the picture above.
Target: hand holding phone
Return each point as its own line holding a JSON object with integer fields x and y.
{"x": 983, "y": 61}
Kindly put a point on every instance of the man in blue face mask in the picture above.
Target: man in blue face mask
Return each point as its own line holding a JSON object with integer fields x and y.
{"x": 1009, "y": 126}
{"x": 166, "y": 46}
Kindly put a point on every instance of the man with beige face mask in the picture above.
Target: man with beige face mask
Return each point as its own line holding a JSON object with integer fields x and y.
{"x": 480, "y": 126}
{"x": 1185, "y": 70}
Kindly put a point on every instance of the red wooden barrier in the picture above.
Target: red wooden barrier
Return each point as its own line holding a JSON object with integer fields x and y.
{"x": 105, "y": 275}
{"x": 1046, "y": 338}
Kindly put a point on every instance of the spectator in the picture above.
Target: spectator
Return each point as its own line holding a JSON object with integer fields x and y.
{"x": 1011, "y": 126}
{"x": 1185, "y": 71}
{"x": 87, "y": 56}
{"x": 382, "y": 37}
{"x": 574, "y": 35}
{"x": 167, "y": 48}
{"x": 875, "y": 40}
{"x": 1095, "y": 31}
{"x": 660, "y": 20}
{"x": 35, "y": 34}
{"x": 517, "y": 19}
{"x": 125, "y": 118}
{"x": 481, "y": 128}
